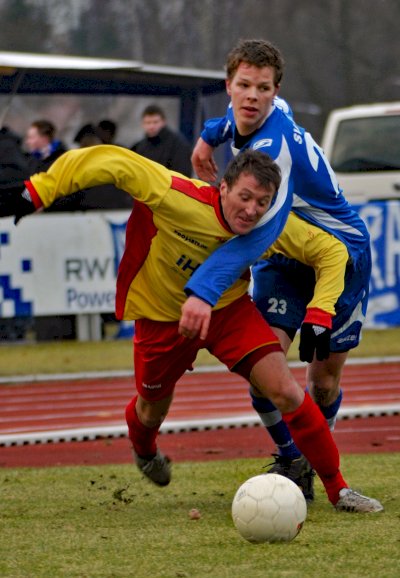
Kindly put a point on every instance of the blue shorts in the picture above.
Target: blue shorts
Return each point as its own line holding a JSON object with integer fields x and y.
{"x": 283, "y": 288}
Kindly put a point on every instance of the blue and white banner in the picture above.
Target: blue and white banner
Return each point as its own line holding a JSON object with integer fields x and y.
{"x": 61, "y": 263}
{"x": 383, "y": 222}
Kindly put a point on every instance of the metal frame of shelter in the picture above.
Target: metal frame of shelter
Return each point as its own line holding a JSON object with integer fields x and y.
{"x": 32, "y": 74}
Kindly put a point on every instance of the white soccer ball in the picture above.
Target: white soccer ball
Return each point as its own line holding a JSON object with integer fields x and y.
{"x": 269, "y": 508}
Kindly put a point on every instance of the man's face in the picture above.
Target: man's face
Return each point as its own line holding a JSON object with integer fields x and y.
{"x": 252, "y": 91}
{"x": 34, "y": 141}
{"x": 152, "y": 124}
{"x": 245, "y": 203}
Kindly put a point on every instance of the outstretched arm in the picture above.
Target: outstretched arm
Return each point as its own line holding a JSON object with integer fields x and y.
{"x": 80, "y": 169}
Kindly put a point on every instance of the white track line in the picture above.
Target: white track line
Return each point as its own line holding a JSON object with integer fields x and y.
{"x": 174, "y": 426}
{"x": 201, "y": 369}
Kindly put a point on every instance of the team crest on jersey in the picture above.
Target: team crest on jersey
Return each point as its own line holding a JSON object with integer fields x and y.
{"x": 264, "y": 142}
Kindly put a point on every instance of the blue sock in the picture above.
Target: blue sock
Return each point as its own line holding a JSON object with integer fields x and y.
{"x": 330, "y": 412}
{"x": 271, "y": 417}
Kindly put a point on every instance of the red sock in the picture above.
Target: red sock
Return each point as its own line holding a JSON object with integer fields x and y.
{"x": 143, "y": 438}
{"x": 312, "y": 436}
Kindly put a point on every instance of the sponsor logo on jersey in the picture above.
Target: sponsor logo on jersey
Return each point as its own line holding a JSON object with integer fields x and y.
{"x": 264, "y": 142}
{"x": 187, "y": 264}
{"x": 190, "y": 240}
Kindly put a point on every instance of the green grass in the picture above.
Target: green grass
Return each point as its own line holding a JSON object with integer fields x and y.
{"x": 88, "y": 522}
{"x": 72, "y": 356}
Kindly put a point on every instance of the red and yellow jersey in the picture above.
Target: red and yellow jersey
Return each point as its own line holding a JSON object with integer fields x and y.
{"x": 175, "y": 225}
{"x": 315, "y": 247}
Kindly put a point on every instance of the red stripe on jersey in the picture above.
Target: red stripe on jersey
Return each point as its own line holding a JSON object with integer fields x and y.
{"x": 206, "y": 194}
{"x": 140, "y": 231}
{"x": 36, "y": 200}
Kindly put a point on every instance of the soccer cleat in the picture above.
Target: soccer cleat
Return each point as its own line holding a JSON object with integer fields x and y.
{"x": 157, "y": 469}
{"x": 298, "y": 470}
{"x": 351, "y": 501}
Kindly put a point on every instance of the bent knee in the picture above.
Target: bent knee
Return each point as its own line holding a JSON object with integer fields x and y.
{"x": 325, "y": 393}
{"x": 151, "y": 414}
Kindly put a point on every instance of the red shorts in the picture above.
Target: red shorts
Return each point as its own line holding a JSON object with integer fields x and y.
{"x": 238, "y": 336}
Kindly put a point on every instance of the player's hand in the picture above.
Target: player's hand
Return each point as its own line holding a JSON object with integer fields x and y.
{"x": 195, "y": 318}
{"x": 203, "y": 162}
{"x": 315, "y": 335}
{"x": 16, "y": 201}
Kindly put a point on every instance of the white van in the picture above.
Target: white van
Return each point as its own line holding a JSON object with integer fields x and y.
{"x": 362, "y": 144}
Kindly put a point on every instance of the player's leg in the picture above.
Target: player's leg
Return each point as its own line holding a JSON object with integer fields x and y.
{"x": 323, "y": 377}
{"x": 309, "y": 430}
{"x": 323, "y": 384}
{"x": 307, "y": 426}
{"x": 242, "y": 339}
{"x": 282, "y": 303}
{"x": 144, "y": 420}
{"x": 244, "y": 328}
{"x": 161, "y": 357}
{"x": 288, "y": 461}
{"x": 271, "y": 417}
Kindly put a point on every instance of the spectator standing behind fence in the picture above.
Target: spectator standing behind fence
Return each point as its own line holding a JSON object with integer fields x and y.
{"x": 42, "y": 145}
{"x": 87, "y": 136}
{"x": 161, "y": 144}
{"x": 107, "y": 130}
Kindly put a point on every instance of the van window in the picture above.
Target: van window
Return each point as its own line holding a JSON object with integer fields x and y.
{"x": 367, "y": 144}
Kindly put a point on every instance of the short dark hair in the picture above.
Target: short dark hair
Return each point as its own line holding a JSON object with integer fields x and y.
{"x": 45, "y": 128}
{"x": 258, "y": 53}
{"x": 108, "y": 125}
{"x": 85, "y": 131}
{"x": 255, "y": 163}
{"x": 153, "y": 109}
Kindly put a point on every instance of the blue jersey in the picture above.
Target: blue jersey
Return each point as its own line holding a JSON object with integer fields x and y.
{"x": 309, "y": 187}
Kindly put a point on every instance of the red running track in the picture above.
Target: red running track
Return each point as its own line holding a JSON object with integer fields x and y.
{"x": 66, "y": 404}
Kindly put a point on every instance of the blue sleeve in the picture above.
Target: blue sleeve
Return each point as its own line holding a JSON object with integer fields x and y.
{"x": 217, "y": 131}
{"x": 225, "y": 265}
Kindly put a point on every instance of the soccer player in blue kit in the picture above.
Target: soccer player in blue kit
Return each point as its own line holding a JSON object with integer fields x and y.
{"x": 256, "y": 118}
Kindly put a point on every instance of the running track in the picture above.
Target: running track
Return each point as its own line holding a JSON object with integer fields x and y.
{"x": 211, "y": 414}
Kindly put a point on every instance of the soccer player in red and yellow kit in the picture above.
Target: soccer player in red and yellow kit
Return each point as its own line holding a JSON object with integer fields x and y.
{"x": 175, "y": 224}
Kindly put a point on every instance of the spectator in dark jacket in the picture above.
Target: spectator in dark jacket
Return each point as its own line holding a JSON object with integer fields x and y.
{"x": 13, "y": 162}
{"x": 13, "y": 172}
{"x": 161, "y": 144}
{"x": 42, "y": 146}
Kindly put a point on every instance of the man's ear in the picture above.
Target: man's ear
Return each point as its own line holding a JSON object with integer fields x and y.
{"x": 228, "y": 86}
{"x": 223, "y": 190}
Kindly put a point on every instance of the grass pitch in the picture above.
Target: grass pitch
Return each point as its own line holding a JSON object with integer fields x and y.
{"x": 109, "y": 522}
{"x": 89, "y": 522}
{"x": 73, "y": 356}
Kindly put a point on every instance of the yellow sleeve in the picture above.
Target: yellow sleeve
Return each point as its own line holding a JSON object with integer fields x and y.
{"x": 80, "y": 169}
{"x": 320, "y": 250}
